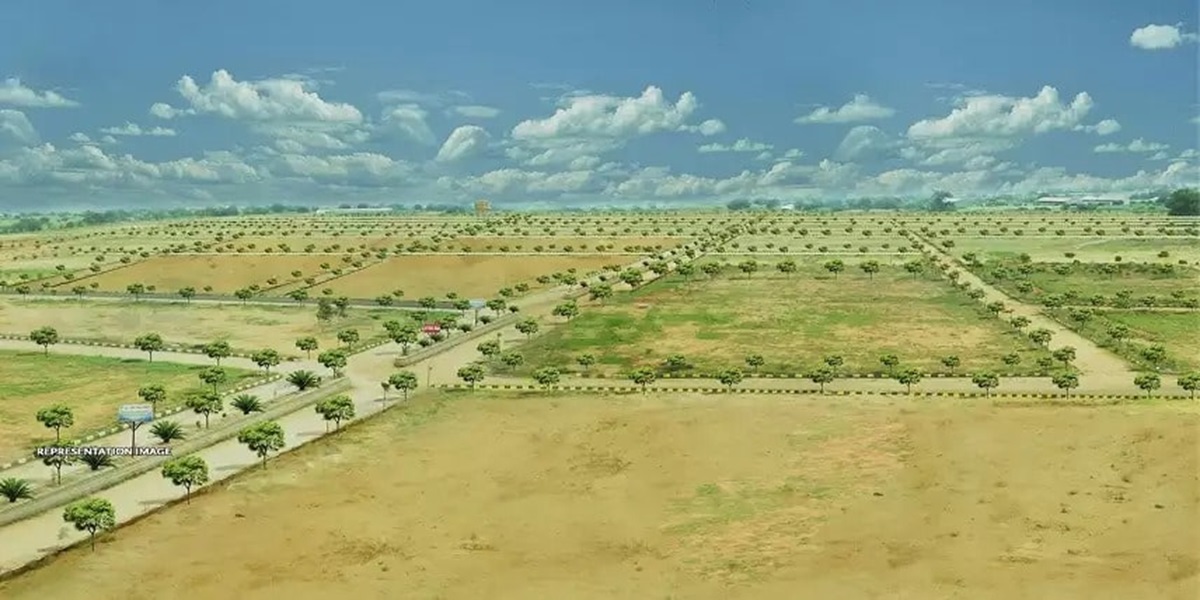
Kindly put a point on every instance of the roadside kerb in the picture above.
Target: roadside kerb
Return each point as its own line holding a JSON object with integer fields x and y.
{"x": 227, "y": 429}
{"x": 99, "y": 433}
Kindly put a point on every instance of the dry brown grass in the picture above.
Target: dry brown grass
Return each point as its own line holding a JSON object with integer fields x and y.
{"x": 224, "y": 273}
{"x": 467, "y": 275}
{"x": 487, "y": 496}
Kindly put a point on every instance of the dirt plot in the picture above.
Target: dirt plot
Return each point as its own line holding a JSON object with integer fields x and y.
{"x": 469, "y": 276}
{"x": 550, "y": 243}
{"x": 488, "y": 496}
{"x": 92, "y": 386}
{"x": 224, "y": 273}
{"x": 249, "y": 327}
{"x": 792, "y": 321}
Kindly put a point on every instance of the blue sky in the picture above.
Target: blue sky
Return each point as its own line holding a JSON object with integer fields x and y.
{"x": 146, "y": 103}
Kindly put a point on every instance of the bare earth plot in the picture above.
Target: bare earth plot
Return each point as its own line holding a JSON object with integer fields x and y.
{"x": 466, "y": 275}
{"x": 224, "y": 273}
{"x": 250, "y": 327}
{"x": 689, "y": 497}
{"x": 92, "y": 386}
{"x": 793, "y": 322}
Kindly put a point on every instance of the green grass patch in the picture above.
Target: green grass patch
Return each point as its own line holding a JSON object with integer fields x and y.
{"x": 92, "y": 386}
{"x": 1095, "y": 284}
{"x": 792, "y": 321}
{"x": 1177, "y": 332}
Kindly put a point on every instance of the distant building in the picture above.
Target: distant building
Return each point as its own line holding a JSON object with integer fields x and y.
{"x": 1081, "y": 201}
{"x": 351, "y": 211}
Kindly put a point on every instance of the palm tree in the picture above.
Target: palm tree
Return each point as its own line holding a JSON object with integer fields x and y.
{"x": 96, "y": 461}
{"x": 304, "y": 379}
{"x": 247, "y": 403}
{"x": 14, "y": 489}
{"x": 167, "y": 431}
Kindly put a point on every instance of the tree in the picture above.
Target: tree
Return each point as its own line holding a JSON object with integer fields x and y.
{"x": 247, "y": 403}
{"x": 914, "y": 268}
{"x": 586, "y": 361}
{"x": 149, "y": 343}
{"x": 334, "y": 360}
{"x": 755, "y": 362}
{"x": 1155, "y": 355}
{"x": 986, "y": 381}
{"x": 909, "y": 377}
{"x": 631, "y": 277}
{"x": 496, "y": 305}
{"x": 643, "y": 376}
{"x": 677, "y": 362}
{"x": 403, "y": 382}
{"x": 44, "y": 337}
{"x": 13, "y": 489}
{"x": 511, "y": 359}
{"x": 348, "y": 337}
{"x": 325, "y": 310}
{"x": 1066, "y": 382}
{"x": 489, "y": 348}
{"x": 1189, "y": 383}
{"x": 59, "y": 456}
{"x": 600, "y": 292}
{"x": 870, "y": 267}
{"x": 1012, "y": 359}
{"x": 711, "y": 269}
{"x": 787, "y": 267}
{"x": 337, "y": 409}
{"x": 567, "y": 310}
{"x": 730, "y": 377}
{"x": 167, "y": 431}
{"x": 152, "y": 394}
{"x": 187, "y": 293}
{"x": 213, "y": 376}
{"x": 91, "y": 515}
{"x": 1019, "y": 322}
{"x": 833, "y": 361}
{"x": 243, "y": 294}
{"x": 1064, "y": 355}
{"x": 1183, "y": 202}
{"x": 1041, "y": 336}
{"x": 56, "y": 417}
{"x": 822, "y": 376}
{"x": 835, "y": 266}
{"x": 262, "y": 439}
{"x": 205, "y": 404}
{"x": 1118, "y": 332}
{"x": 307, "y": 344}
{"x": 406, "y": 336}
{"x": 951, "y": 362}
{"x": 96, "y": 461}
{"x": 136, "y": 290}
{"x": 1148, "y": 382}
{"x": 748, "y": 267}
{"x": 304, "y": 379}
{"x": 546, "y": 376}
{"x": 265, "y": 359}
{"x": 941, "y": 201}
{"x": 472, "y": 374}
{"x": 218, "y": 350}
{"x": 187, "y": 472}
{"x": 527, "y": 326}
{"x": 890, "y": 361}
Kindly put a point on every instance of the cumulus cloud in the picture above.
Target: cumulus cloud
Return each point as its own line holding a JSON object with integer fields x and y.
{"x": 89, "y": 165}
{"x": 14, "y": 124}
{"x": 998, "y": 116}
{"x": 1159, "y": 37}
{"x": 863, "y": 141}
{"x": 858, "y": 109}
{"x": 475, "y": 111}
{"x": 463, "y": 142}
{"x": 596, "y": 115}
{"x": 364, "y": 169}
{"x": 409, "y": 121}
{"x": 519, "y": 181}
{"x": 1136, "y": 146}
{"x": 279, "y": 99}
{"x": 135, "y": 130}
{"x": 15, "y": 93}
{"x": 708, "y": 128}
{"x": 1105, "y": 127}
{"x": 742, "y": 145}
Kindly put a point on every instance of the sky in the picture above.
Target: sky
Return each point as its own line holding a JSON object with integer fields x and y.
{"x": 153, "y": 103}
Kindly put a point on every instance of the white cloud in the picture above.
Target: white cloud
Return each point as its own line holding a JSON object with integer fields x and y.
{"x": 264, "y": 100}
{"x": 409, "y": 120}
{"x": 860, "y": 108}
{"x": 463, "y": 142}
{"x": 793, "y": 153}
{"x": 518, "y": 181}
{"x": 1159, "y": 37}
{"x": 1105, "y": 127}
{"x": 742, "y": 145}
{"x": 994, "y": 116}
{"x": 89, "y": 165}
{"x": 1139, "y": 145}
{"x": 14, "y": 124}
{"x": 475, "y": 111}
{"x": 708, "y": 128}
{"x": 611, "y": 117}
{"x": 863, "y": 141}
{"x": 134, "y": 130}
{"x": 357, "y": 169}
{"x": 15, "y": 93}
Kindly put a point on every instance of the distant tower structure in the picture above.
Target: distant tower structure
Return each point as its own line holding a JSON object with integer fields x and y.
{"x": 482, "y": 208}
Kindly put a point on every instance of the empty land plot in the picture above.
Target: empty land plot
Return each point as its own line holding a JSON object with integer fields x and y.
{"x": 560, "y": 243}
{"x": 93, "y": 386}
{"x": 1086, "y": 249}
{"x": 1177, "y": 332}
{"x": 467, "y": 275}
{"x": 1090, "y": 283}
{"x": 792, "y": 321}
{"x": 246, "y": 327}
{"x": 682, "y": 496}
{"x": 224, "y": 273}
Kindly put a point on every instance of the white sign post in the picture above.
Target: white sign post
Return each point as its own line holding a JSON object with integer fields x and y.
{"x": 135, "y": 415}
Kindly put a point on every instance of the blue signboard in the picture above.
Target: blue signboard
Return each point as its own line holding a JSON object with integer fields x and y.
{"x": 478, "y": 304}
